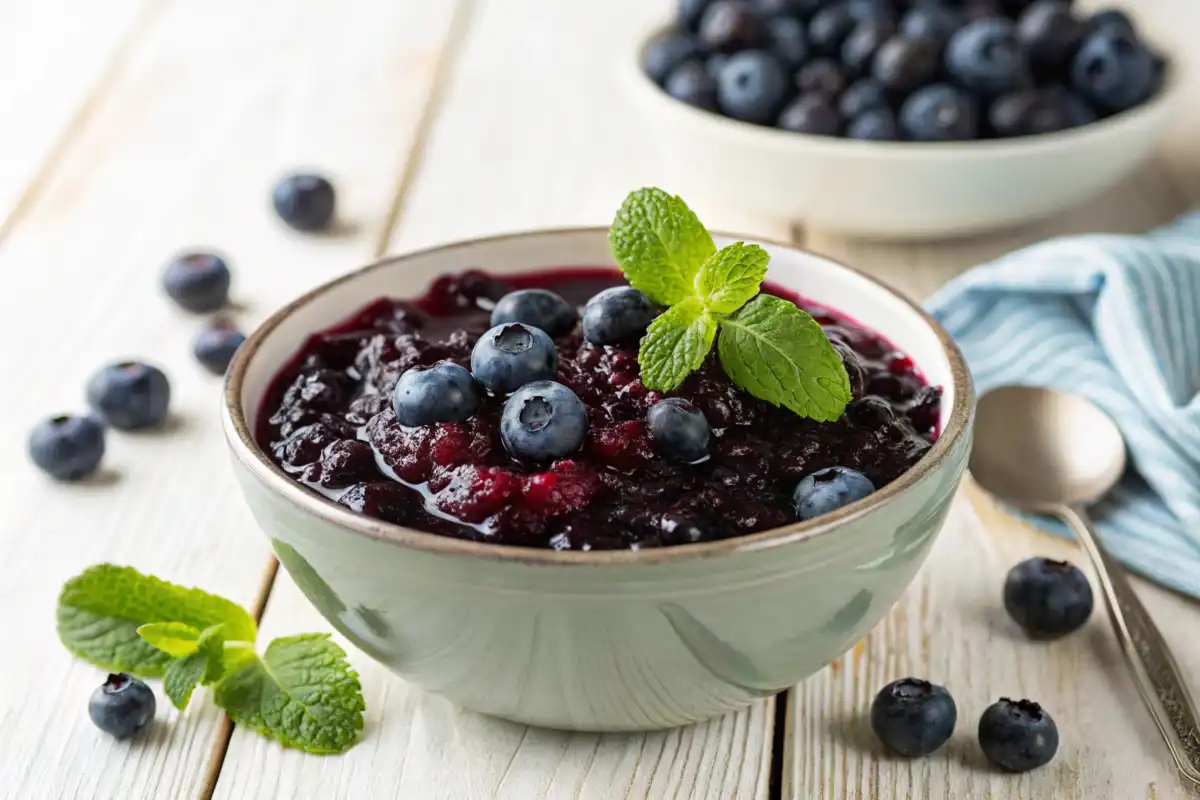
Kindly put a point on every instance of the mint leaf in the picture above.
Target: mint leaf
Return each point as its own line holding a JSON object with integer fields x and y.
{"x": 302, "y": 693}
{"x": 676, "y": 344}
{"x": 205, "y": 664}
{"x": 660, "y": 245}
{"x": 732, "y": 276}
{"x": 212, "y": 644}
{"x": 778, "y": 353}
{"x": 177, "y": 639}
{"x": 100, "y": 610}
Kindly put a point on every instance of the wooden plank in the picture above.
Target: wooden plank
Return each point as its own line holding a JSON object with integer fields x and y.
{"x": 215, "y": 100}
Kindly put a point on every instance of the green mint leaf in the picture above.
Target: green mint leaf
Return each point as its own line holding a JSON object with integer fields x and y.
{"x": 212, "y": 644}
{"x": 732, "y": 276}
{"x": 100, "y": 611}
{"x": 778, "y": 353}
{"x": 177, "y": 639}
{"x": 660, "y": 245}
{"x": 302, "y": 693}
{"x": 676, "y": 344}
{"x": 205, "y": 664}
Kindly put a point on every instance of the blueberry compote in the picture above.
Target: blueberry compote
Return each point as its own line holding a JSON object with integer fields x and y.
{"x": 328, "y": 422}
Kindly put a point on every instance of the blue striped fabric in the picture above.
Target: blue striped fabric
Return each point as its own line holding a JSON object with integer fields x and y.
{"x": 1116, "y": 319}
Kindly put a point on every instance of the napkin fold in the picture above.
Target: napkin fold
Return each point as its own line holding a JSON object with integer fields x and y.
{"x": 1117, "y": 320}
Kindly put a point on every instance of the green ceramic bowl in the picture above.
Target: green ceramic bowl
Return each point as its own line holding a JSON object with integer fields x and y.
{"x": 628, "y": 640}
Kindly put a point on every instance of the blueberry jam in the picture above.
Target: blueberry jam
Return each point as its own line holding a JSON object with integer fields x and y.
{"x": 328, "y": 422}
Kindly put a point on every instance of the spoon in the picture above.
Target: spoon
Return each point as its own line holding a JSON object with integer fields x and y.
{"x": 1051, "y": 452}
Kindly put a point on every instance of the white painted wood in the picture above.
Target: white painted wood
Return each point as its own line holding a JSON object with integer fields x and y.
{"x": 213, "y": 100}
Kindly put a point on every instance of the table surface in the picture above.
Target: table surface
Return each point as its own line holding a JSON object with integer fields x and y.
{"x": 134, "y": 128}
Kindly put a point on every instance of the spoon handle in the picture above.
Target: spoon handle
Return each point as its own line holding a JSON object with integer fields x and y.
{"x": 1154, "y": 669}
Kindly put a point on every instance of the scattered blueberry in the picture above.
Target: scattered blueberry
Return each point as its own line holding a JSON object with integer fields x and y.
{"x": 1047, "y": 598}
{"x": 666, "y": 52}
{"x": 122, "y": 705}
{"x": 692, "y": 83}
{"x": 444, "y": 392}
{"x": 788, "y": 41}
{"x": 858, "y": 51}
{"x": 811, "y": 113}
{"x": 1112, "y": 19}
{"x": 829, "y": 489}
{"x": 540, "y": 308}
{"x": 616, "y": 315}
{"x": 752, "y": 87}
{"x": 215, "y": 346}
{"x": 129, "y": 395}
{"x": 913, "y": 717}
{"x": 1113, "y": 70}
{"x": 67, "y": 447}
{"x": 874, "y": 124}
{"x": 680, "y": 429}
{"x": 198, "y": 282}
{"x": 939, "y": 113}
{"x": 304, "y": 201}
{"x": 829, "y": 27}
{"x": 862, "y": 95}
{"x": 985, "y": 56}
{"x": 903, "y": 64}
{"x": 1017, "y": 736}
{"x": 543, "y": 421}
{"x": 821, "y": 76}
{"x": 935, "y": 22}
{"x": 729, "y": 26}
{"x": 511, "y": 355}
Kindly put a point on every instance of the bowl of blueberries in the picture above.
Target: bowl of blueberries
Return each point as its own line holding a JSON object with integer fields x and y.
{"x": 901, "y": 119}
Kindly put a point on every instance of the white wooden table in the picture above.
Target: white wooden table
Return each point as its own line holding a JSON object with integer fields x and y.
{"x": 133, "y": 128}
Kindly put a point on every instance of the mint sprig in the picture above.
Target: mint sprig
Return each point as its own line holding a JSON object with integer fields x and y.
{"x": 767, "y": 346}
{"x": 302, "y": 692}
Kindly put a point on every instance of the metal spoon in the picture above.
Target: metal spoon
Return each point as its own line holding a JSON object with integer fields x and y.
{"x": 1051, "y": 452}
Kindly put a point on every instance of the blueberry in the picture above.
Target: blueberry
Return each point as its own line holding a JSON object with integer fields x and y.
{"x": 511, "y": 355}
{"x": 753, "y": 86}
{"x": 215, "y": 345}
{"x": 443, "y": 392}
{"x": 829, "y": 27}
{"x": 122, "y": 705}
{"x": 714, "y": 64}
{"x": 1017, "y": 736}
{"x": 1047, "y": 598}
{"x": 1114, "y": 19}
{"x": 304, "y": 201}
{"x": 198, "y": 282}
{"x": 543, "y": 421}
{"x": 540, "y": 308}
{"x": 875, "y": 124}
{"x": 67, "y": 447}
{"x": 881, "y": 10}
{"x": 860, "y": 46}
{"x": 729, "y": 26}
{"x": 903, "y": 64}
{"x": 1051, "y": 35}
{"x": 1113, "y": 70}
{"x": 617, "y": 315}
{"x": 1029, "y": 112}
{"x": 862, "y": 95}
{"x": 689, "y": 12}
{"x": 821, "y": 76}
{"x": 811, "y": 113}
{"x": 129, "y": 395}
{"x": 829, "y": 489}
{"x": 984, "y": 56}
{"x": 939, "y": 113}
{"x": 788, "y": 41}
{"x": 1077, "y": 110}
{"x": 913, "y": 717}
{"x": 931, "y": 22}
{"x": 797, "y": 9}
{"x": 680, "y": 429}
{"x": 692, "y": 83}
{"x": 666, "y": 52}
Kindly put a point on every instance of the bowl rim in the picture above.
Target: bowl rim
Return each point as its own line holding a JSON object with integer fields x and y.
{"x": 748, "y": 133}
{"x": 245, "y": 449}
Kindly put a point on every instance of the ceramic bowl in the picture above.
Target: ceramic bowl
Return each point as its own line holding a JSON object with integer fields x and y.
{"x": 628, "y": 640}
{"x": 890, "y": 190}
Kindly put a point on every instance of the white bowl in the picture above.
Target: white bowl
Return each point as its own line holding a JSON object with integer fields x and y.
{"x": 894, "y": 190}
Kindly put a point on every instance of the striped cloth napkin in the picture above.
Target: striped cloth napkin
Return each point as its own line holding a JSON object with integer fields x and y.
{"x": 1116, "y": 319}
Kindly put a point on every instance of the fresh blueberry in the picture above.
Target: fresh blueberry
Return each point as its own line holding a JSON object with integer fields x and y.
{"x": 829, "y": 27}
{"x": 1078, "y": 111}
{"x": 939, "y": 113}
{"x": 1028, "y": 112}
{"x": 1114, "y": 19}
{"x": 443, "y": 392}
{"x": 984, "y": 56}
{"x": 788, "y": 41}
{"x": 714, "y": 64}
{"x": 904, "y": 64}
{"x": 304, "y": 201}
{"x": 67, "y": 447}
{"x": 863, "y": 10}
{"x": 543, "y": 421}
{"x": 753, "y": 86}
{"x": 1017, "y": 736}
{"x": 1113, "y": 70}
{"x": 129, "y": 395}
{"x": 860, "y": 46}
{"x": 540, "y": 308}
{"x": 1047, "y": 598}
{"x": 874, "y": 124}
{"x": 931, "y": 22}
{"x": 680, "y": 429}
{"x": 862, "y": 95}
{"x": 689, "y": 12}
{"x": 692, "y": 83}
{"x": 511, "y": 355}
{"x": 617, "y": 315}
{"x": 666, "y": 52}
{"x": 1050, "y": 34}
{"x": 811, "y": 113}
{"x": 829, "y": 489}
{"x": 122, "y": 705}
{"x": 215, "y": 345}
{"x": 729, "y": 26}
{"x": 797, "y": 9}
{"x": 198, "y": 282}
{"x": 913, "y": 717}
{"x": 821, "y": 76}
